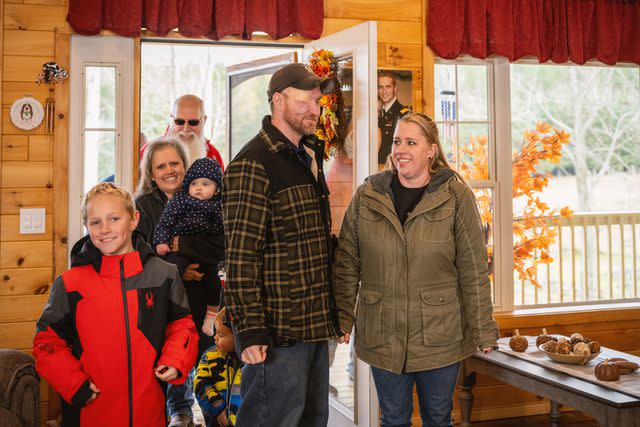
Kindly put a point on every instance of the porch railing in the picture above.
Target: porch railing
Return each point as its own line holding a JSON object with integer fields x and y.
{"x": 596, "y": 259}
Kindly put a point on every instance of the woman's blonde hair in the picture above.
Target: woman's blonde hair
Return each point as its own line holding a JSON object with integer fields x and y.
{"x": 108, "y": 189}
{"x": 429, "y": 130}
{"x": 145, "y": 185}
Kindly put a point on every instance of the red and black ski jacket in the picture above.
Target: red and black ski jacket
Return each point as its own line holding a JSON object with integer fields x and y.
{"x": 111, "y": 320}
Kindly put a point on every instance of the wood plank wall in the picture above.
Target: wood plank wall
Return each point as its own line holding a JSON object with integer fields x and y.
{"x": 26, "y": 261}
{"x": 30, "y": 34}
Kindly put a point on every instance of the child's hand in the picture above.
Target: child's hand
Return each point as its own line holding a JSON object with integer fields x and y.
{"x": 162, "y": 249}
{"x": 166, "y": 373}
{"x": 209, "y": 320}
{"x": 222, "y": 419}
{"x": 95, "y": 394}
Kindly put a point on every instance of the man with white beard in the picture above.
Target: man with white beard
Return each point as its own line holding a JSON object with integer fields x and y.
{"x": 187, "y": 126}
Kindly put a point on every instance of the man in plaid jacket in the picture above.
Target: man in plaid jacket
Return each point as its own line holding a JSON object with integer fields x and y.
{"x": 277, "y": 228}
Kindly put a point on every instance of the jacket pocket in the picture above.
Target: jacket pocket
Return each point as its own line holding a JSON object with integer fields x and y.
{"x": 369, "y": 225}
{"x": 369, "y": 319}
{"x": 437, "y": 225}
{"x": 441, "y": 317}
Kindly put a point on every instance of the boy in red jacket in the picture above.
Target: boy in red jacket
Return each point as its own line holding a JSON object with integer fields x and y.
{"x": 116, "y": 322}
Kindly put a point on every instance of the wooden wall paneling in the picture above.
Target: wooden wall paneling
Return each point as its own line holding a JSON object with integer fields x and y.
{"x": 402, "y": 55}
{"x": 388, "y": 31}
{"x": 34, "y": 17}
{"x": 25, "y": 254}
{"x": 28, "y": 43}
{"x": 41, "y": 148}
{"x": 428, "y": 68}
{"x": 10, "y": 230}
{"x": 23, "y": 68}
{"x": 61, "y": 158}
{"x": 12, "y": 199}
{"x": 14, "y": 90}
{"x": 22, "y": 308}
{"x": 19, "y": 335}
{"x": 2, "y": 151}
{"x": 25, "y": 281}
{"x": 40, "y": 174}
{"x": 374, "y": 10}
{"x": 15, "y": 147}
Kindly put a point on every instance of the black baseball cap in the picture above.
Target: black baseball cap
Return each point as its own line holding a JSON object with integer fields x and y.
{"x": 298, "y": 76}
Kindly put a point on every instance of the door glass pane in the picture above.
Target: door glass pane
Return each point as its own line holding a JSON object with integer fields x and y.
{"x": 100, "y": 97}
{"x": 99, "y": 156}
{"x": 474, "y": 151}
{"x": 249, "y": 105}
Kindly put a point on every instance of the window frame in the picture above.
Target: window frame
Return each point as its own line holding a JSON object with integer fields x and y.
{"x": 499, "y": 140}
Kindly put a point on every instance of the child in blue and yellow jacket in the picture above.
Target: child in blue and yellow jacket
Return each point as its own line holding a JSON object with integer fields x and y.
{"x": 217, "y": 382}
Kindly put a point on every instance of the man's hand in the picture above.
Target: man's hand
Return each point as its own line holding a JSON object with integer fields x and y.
{"x": 254, "y": 354}
{"x": 95, "y": 394}
{"x": 190, "y": 273}
{"x": 162, "y": 249}
{"x": 344, "y": 339}
{"x": 174, "y": 244}
{"x": 166, "y": 373}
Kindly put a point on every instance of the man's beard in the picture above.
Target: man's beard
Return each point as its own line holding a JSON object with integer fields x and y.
{"x": 196, "y": 145}
{"x": 298, "y": 125}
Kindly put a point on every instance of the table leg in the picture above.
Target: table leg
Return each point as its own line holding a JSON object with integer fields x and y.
{"x": 554, "y": 415}
{"x": 465, "y": 398}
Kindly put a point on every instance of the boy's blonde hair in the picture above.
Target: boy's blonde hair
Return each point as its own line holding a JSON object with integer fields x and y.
{"x": 110, "y": 189}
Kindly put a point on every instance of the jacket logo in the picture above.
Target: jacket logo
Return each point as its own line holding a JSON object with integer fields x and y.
{"x": 149, "y": 298}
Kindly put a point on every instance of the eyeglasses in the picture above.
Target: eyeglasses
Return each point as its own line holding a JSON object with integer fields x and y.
{"x": 192, "y": 122}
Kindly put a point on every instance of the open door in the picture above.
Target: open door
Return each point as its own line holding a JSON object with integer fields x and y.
{"x": 246, "y": 102}
{"x": 352, "y": 397}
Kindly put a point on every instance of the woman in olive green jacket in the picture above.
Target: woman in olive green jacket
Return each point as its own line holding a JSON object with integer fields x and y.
{"x": 412, "y": 254}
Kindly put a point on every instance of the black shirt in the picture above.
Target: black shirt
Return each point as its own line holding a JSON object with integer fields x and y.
{"x": 405, "y": 199}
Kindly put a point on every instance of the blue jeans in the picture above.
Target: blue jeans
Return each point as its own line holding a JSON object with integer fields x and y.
{"x": 435, "y": 396}
{"x": 291, "y": 388}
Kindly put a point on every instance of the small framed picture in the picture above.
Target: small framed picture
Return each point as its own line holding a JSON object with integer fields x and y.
{"x": 395, "y": 99}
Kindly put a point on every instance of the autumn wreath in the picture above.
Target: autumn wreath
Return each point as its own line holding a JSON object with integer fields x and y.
{"x": 331, "y": 124}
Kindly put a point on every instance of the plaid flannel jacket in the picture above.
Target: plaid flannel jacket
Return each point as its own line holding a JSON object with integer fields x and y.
{"x": 277, "y": 226}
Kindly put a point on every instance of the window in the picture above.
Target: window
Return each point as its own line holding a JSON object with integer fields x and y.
{"x": 100, "y": 118}
{"x": 585, "y": 218}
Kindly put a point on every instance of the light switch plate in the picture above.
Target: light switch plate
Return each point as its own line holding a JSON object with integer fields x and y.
{"x": 32, "y": 220}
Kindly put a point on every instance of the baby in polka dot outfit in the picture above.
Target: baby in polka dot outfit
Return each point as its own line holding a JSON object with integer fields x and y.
{"x": 195, "y": 208}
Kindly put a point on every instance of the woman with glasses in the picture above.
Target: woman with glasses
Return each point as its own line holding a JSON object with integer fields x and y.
{"x": 413, "y": 256}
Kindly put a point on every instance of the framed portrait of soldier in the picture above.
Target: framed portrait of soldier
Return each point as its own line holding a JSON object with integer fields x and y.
{"x": 395, "y": 99}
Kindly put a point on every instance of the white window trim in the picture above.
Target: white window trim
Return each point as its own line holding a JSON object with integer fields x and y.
{"x": 99, "y": 51}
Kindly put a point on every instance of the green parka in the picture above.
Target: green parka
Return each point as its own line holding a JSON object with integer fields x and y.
{"x": 422, "y": 289}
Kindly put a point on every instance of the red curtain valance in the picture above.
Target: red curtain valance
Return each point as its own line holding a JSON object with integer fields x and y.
{"x": 556, "y": 30}
{"x": 195, "y": 18}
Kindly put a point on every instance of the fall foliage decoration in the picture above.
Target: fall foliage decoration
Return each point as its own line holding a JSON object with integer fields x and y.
{"x": 544, "y": 337}
{"x": 535, "y": 228}
{"x": 331, "y": 124}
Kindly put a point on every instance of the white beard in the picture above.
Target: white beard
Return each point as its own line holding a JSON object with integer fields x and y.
{"x": 196, "y": 145}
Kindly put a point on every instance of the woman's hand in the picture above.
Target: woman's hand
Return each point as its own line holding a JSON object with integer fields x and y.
{"x": 487, "y": 350}
{"x": 166, "y": 373}
{"x": 190, "y": 273}
{"x": 344, "y": 339}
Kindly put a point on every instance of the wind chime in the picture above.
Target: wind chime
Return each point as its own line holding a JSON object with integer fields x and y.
{"x": 449, "y": 129}
{"x": 51, "y": 74}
